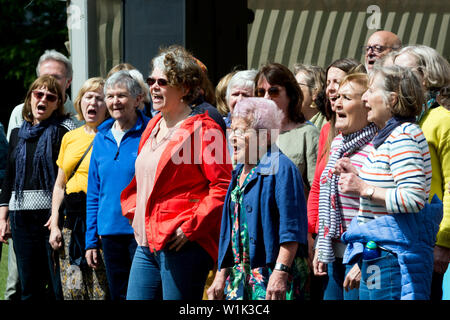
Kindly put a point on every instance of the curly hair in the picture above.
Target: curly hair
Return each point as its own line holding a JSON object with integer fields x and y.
{"x": 181, "y": 70}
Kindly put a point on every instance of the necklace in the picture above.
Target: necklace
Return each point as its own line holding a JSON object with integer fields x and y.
{"x": 159, "y": 137}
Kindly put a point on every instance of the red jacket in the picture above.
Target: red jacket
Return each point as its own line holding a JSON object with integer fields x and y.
{"x": 191, "y": 182}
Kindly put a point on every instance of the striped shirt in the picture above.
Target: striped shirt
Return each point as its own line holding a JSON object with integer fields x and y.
{"x": 402, "y": 165}
{"x": 350, "y": 202}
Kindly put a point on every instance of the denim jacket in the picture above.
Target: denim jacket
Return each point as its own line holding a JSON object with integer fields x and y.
{"x": 276, "y": 211}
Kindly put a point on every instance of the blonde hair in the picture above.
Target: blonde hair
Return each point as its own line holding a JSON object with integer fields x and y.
{"x": 93, "y": 84}
{"x": 221, "y": 92}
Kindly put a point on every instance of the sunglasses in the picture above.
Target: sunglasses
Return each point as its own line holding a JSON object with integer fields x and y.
{"x": 376, "y": 48}
{"x": 39, "y": 95}
{"x": 161, "y": 82}
{"x": 272, "y": 91}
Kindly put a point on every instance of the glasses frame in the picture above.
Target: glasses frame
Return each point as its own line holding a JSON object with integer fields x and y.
{"x": 161, "y": 82}
{"x": 39, "y": 95}
{"x": 274, "y": 92}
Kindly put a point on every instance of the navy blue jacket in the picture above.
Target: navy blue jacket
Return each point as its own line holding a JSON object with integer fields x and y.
{"x": 276, "y": 211}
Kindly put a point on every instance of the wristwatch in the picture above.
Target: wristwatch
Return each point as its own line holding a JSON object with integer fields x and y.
{"x": 282, "y": 267}
{"x": 369, "y": 192}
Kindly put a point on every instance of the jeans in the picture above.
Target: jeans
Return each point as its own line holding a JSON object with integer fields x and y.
{"x": 37, "y": 262}
{"x": 380, "y": 278}
{"x": 334, "y": 289}
{"x": 118, "y": 253}
{"x": 169, "y": 274}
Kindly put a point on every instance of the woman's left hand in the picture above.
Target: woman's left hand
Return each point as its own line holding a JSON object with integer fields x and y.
{"x": 277, "y": 286}
{"x": 177, "y": 240}
{"x": 351, "y": 183}
{"x": 352, "y": 279}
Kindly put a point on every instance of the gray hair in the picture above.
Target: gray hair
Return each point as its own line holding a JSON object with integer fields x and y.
{"x": 242, "y": 79}
{"x": 56, "y": 56}
{"x": 314, "y": 75}
{"x": 123, "y": 78}
{"x": 434, "y": 67}
{"x": 260, "y": 113}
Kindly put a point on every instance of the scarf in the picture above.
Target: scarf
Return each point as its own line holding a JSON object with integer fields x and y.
{"x": 43, "y": 166}
{"x": 330, "y": 211}
{"x": 391, "y": 124}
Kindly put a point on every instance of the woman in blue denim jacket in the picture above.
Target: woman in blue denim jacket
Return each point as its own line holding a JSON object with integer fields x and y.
{"x": 262, "y": 247}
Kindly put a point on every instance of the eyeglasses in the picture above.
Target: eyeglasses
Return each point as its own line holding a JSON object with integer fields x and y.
{"x": 376, "y": 48}
{"x": 239, "y": 133}
{"x": 50, "y": 97}
{"x": 272, "y": 91}
{"x": 161, "y": 82}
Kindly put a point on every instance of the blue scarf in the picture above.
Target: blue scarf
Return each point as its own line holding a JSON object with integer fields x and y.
{"x": 384, "y": 133}
{"x": 43, "y": 164}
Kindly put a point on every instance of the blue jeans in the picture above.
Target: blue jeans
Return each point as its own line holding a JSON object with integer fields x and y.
{"x": 37, "y": 262}
{"x": 334, "y": 289}
{"x": 169, "y": 274}
{"x": 380, "y": 278}
{"x": 118, "y": 252}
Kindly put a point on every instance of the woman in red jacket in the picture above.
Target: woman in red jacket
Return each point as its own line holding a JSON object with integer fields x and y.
{"x": 175, "y": 199}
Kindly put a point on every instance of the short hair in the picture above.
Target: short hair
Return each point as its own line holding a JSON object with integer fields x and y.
{"x": 52, "y": 85}
{"x": 92, "y": 84}
{"x": 221, "y": 93}
{"x": 444, "y": 96}
{"x": 278, "y": 74}
{"x": 56, "y": 56}
{"x": 405, "y": 83}
{"x": 381, "y": 62}
{"x": 260, "y": 113}
{"x": 181, "y": 69}
{"x": 242, "y": 79}
{"x": 123, "y": 78}
{"x": 434, "y": 67}
{"x": 360, "y": 78}
{"x": 315, "y": 80}
{"x": 120, "y": 66}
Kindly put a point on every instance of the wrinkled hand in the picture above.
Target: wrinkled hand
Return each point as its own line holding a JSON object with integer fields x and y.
{"x": 277, "y": 286}
{"x": 177, "y": 240}
{"x": 5, "y": 231}
{"x": 344, "y": 165}
{"x": 92, "y": 258}
{"x": 319, "y": 268}
{"x": 351, "y": 183}
{"x": 441, "y": 259}
{"x": 353, "y": 278}
{"x": 216, "y": 290}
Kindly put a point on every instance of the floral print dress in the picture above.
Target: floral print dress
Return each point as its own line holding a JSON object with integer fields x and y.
{"x": 244, "y": 283}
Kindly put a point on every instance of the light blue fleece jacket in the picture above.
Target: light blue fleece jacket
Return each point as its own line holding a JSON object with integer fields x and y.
{"x": 110, "y": 171}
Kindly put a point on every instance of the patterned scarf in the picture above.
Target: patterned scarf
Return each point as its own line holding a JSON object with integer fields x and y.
{"x": 391, "y": 124}
{"x": 330, "y": 211}
{"x": 43, "y": 164}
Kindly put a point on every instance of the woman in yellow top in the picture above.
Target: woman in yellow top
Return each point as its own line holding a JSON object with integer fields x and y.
{"x": 79, "y": 282}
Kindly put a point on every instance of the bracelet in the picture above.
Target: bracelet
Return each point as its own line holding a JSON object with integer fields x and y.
{"x": 281, "y": 267}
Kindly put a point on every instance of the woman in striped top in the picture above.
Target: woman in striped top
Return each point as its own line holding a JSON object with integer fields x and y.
{"x": 336, "y": 208}
{"x": 396, "y": 176}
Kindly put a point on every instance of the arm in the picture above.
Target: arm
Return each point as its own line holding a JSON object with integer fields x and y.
{"x": 216, "y": 290}
{"x": 57, "y": 199}
{"x": 277, "y": 286}
{"x": 5, "y": 232}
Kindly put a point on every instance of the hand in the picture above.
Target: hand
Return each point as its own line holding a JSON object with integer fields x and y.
{"x": 177, "y": 240}
{"x": 441, "y": 259}
{"x": 353, "y": 278}
{"x": 319, "y": 268}
{"x": 92, "y": 258}
{"x": 344, "y": 165}
{"x": 55, "y": 239}
{"x": 351, "y": 183}
{"x": 277, "y": 286}
{"x": 216, "y": 290}
{"x": 5, "y": 231}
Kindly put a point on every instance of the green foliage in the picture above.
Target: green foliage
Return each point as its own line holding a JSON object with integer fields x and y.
{"x": 29, "y": 27}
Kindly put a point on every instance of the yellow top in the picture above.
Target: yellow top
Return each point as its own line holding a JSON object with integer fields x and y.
{"x": 73, "y": 146}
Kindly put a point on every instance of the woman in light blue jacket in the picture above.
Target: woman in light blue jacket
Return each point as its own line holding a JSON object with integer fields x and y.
{"x": 111, "y": 170}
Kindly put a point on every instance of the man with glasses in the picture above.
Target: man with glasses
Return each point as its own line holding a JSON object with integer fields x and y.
{"x": 378, "y": 45}
{"x": 59, "y": 66}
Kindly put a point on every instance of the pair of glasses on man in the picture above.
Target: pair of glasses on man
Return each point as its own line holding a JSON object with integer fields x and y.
{"x": 39, "y": 95}
{"x": 376, "y": 48}
{"x": 272, "y": 91}
{"x": 161, "y": 82}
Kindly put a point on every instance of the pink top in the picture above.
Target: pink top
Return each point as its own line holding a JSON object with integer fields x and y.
{"x": 145, "y": 166}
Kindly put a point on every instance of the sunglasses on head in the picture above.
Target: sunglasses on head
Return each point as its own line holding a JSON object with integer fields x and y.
{"x": 50, "y": 97}
{"x": 272, "y": 91}
{"x": 161, "y": 82}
